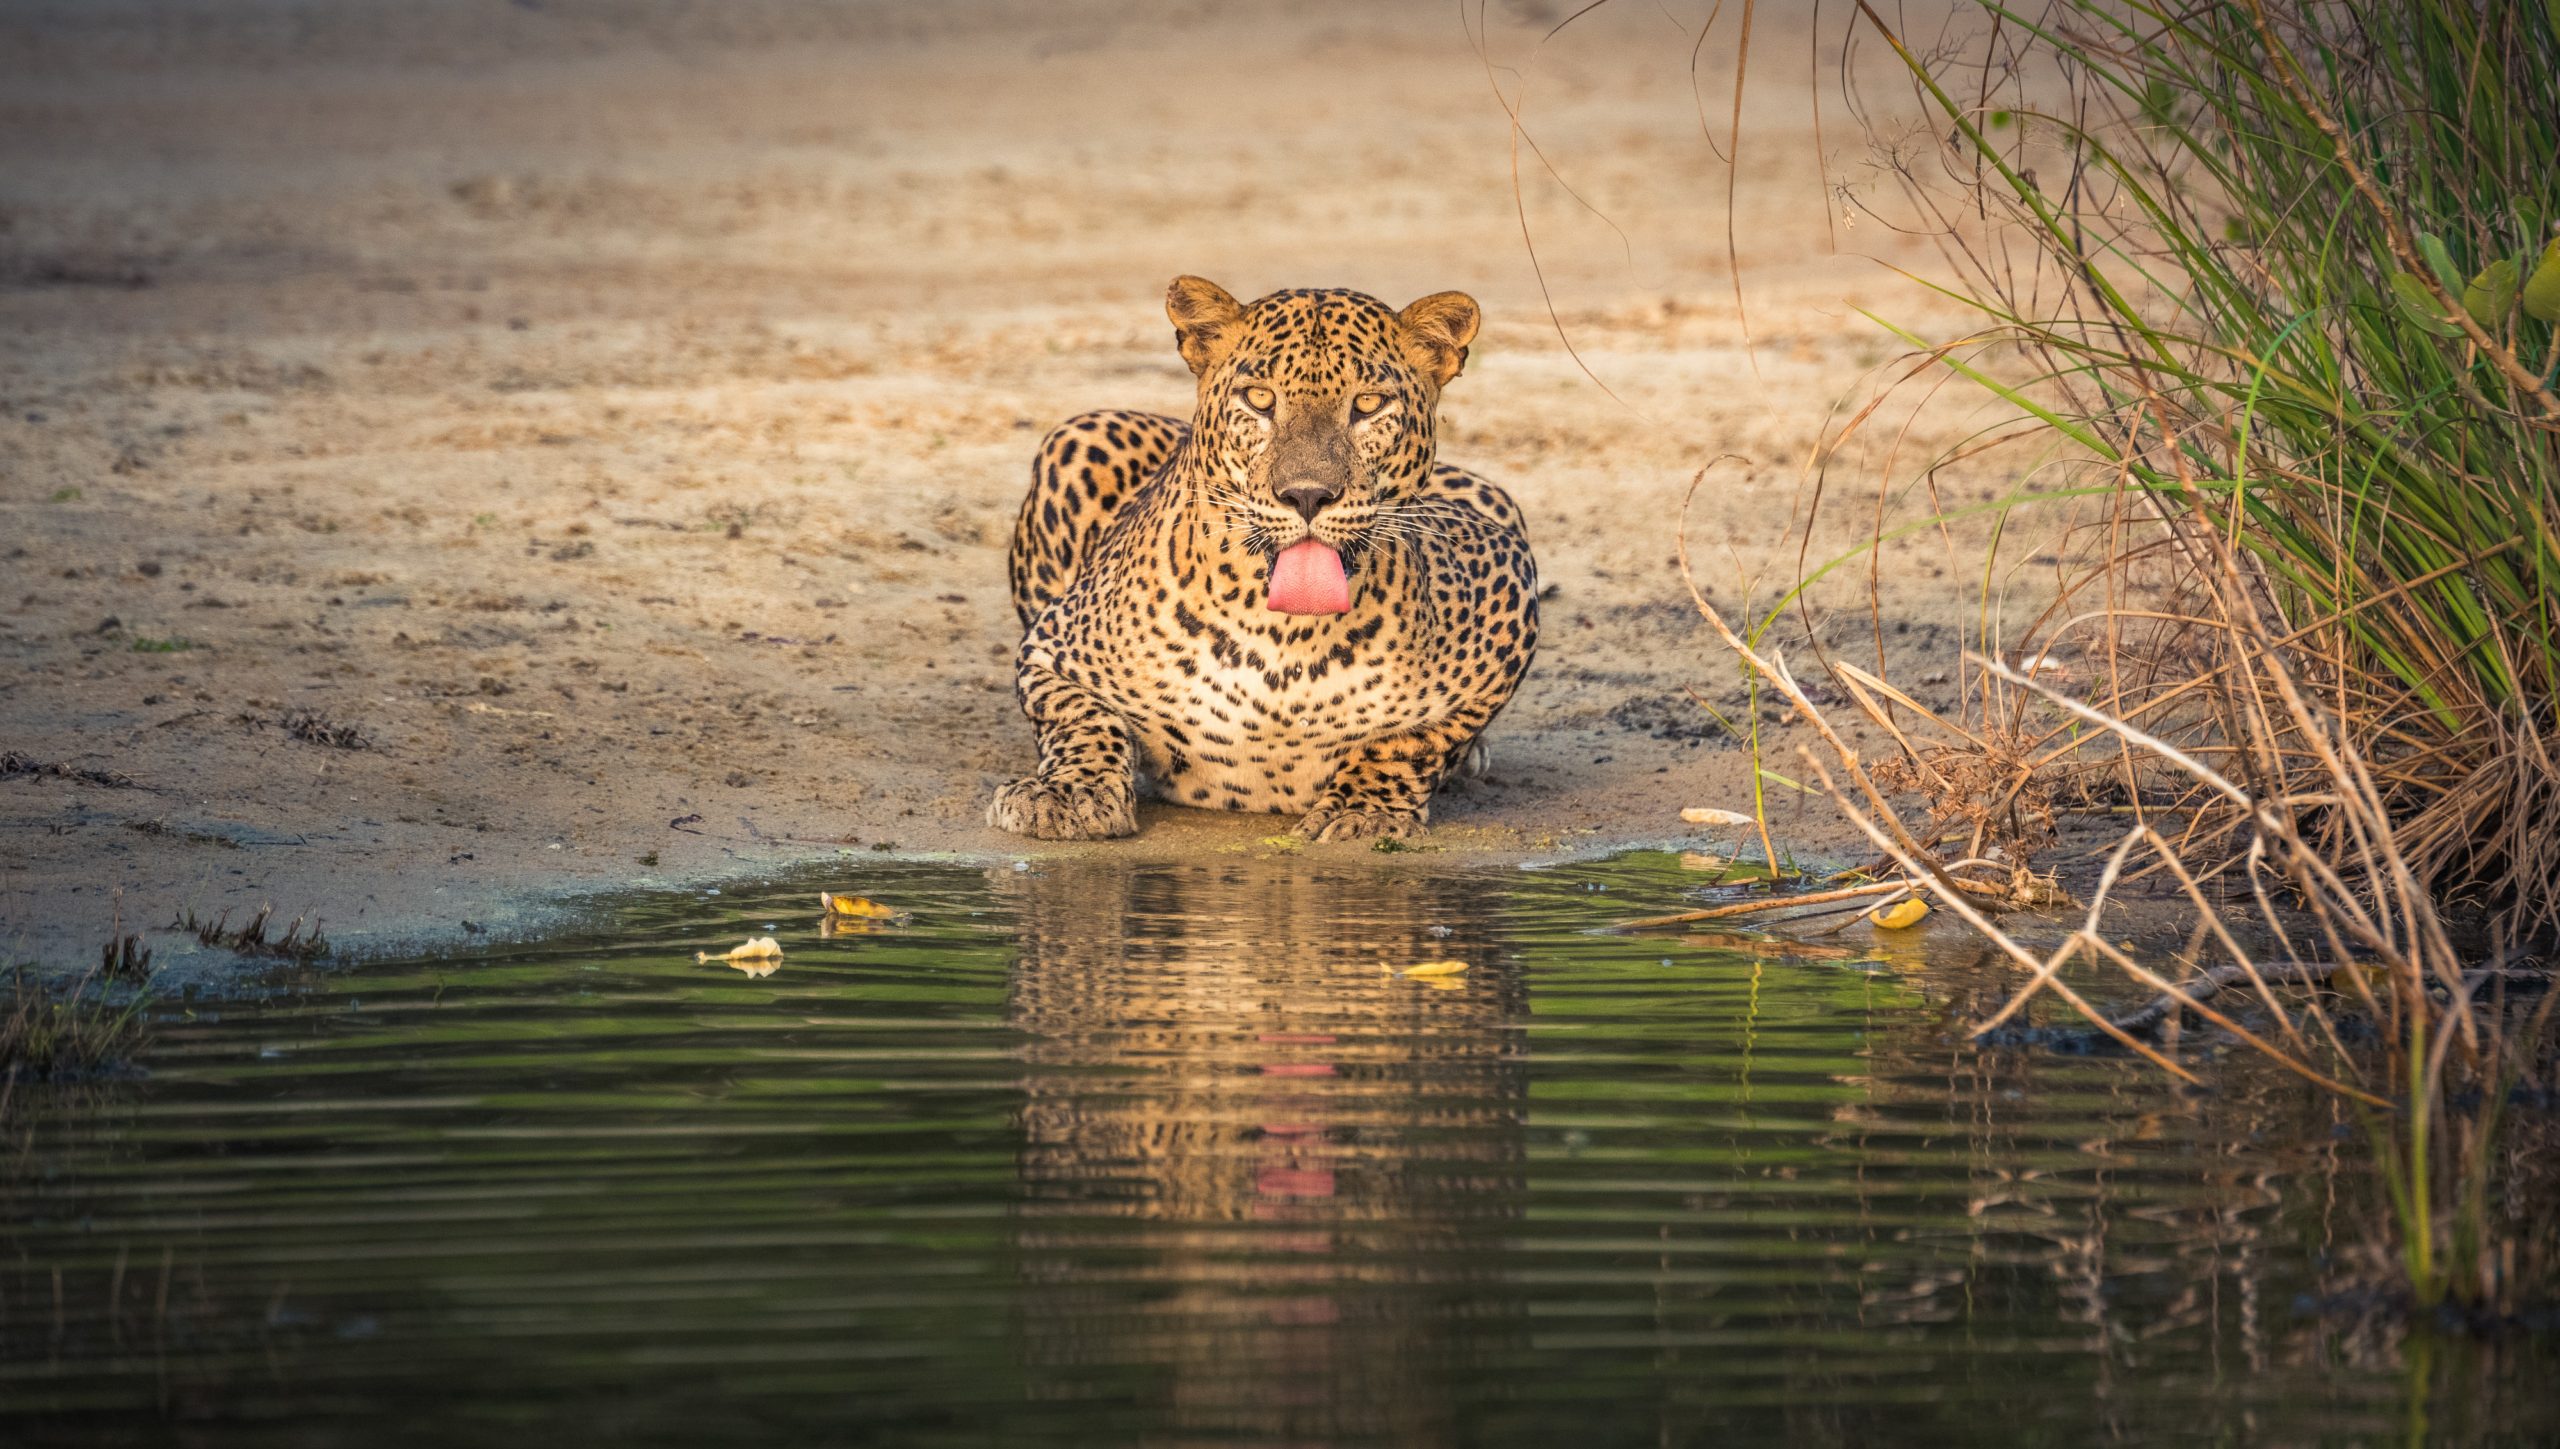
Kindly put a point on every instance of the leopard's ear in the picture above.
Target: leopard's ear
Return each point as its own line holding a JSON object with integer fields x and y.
{"x": 1206, "y": 321}
{"x": 1437, "y": 330}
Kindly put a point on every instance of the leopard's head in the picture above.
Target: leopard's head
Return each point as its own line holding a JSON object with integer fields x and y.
{"x": 1315, "y": 416}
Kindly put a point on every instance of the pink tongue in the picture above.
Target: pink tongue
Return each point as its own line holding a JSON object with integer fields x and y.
{"x": 1307, "y": 578}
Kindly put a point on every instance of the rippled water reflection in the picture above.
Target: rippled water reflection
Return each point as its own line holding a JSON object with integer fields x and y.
{"x": 1100, "y": 1155}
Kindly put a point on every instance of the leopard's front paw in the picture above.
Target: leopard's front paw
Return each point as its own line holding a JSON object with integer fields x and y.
{"x": 1330, "y": 821}
{"x": 1055, "y": 810}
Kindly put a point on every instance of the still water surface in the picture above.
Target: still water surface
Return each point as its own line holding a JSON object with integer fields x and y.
{"x": 1092, "y": 1154}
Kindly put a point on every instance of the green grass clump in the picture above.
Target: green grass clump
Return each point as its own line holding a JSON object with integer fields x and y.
{"x": 2293, "y": 282}
{"x": 53, "y": 1032}
{"x": 2286, "y": 274}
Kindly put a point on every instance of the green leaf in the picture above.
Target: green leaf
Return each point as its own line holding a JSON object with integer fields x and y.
{"x": 2491, "y": 294}
{"x": 2440, "y": 261}
{"x": 2542, "y": 290}
{"x": 1774, "y": 778}
{"x": 2418, "y": 307}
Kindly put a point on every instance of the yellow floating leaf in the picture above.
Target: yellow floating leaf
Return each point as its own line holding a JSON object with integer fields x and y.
{"x": 1901, "y": 915}
{"x": 859, "y": 906}
{"x": 757, "y": 948}
{"x": 1434, "y": 968}
{"x": 1708, "y": 815}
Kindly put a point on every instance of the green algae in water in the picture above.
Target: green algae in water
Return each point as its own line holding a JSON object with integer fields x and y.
{"x": 1091, "y": 1155}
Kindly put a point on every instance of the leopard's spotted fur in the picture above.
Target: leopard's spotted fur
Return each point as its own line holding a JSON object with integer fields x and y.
{"x": 1140, "y": 568}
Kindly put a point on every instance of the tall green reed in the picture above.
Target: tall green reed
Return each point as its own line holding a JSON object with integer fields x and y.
{"x": 2288, "y": 273}
{"x": 2292, "y": 278}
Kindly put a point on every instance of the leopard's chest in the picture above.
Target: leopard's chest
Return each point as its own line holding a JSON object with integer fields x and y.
{"x": 1243, "y": 714}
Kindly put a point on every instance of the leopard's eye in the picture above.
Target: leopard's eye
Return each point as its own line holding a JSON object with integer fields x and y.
{"x": 1368, "y": 402}
{"x": 1259, "y": 399}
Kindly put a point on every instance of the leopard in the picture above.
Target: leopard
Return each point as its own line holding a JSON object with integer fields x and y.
{"x": 1288, "y": 604}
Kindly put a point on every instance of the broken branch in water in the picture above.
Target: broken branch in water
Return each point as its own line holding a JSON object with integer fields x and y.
{"x": 1767, "y": 903}
{"x": 2023, "y": 890}
{"x": 2212, "y": 983}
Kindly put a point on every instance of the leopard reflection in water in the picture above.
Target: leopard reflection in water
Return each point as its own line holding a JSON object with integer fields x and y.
{"x": 1263, "y": 1178}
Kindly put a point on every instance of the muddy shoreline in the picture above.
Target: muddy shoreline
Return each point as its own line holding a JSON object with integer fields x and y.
{"x": 390, "y": 923}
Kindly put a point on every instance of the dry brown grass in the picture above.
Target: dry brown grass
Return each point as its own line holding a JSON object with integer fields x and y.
{"x": 2306, "y": 834}
{"x": 2248, "y": 271}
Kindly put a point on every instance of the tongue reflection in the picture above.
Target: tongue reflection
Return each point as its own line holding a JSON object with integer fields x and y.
{"x": 1307, "y": 578}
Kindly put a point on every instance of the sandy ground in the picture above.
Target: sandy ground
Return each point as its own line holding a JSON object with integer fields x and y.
{"x": 456, "y": 453}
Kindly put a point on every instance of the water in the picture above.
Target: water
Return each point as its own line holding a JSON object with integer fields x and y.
{"x": 1097, "y": 1155}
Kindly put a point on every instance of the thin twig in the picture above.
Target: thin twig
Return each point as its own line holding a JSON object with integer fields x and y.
{"x": 1771, "y": 903}
{"x": 2212, "y": 983}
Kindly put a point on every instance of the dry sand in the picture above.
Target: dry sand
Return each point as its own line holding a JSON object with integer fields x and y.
{"x": 614, "y": 413}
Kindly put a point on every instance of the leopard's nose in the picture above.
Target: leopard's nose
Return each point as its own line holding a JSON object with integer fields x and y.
{"x": 1309, "y": 499}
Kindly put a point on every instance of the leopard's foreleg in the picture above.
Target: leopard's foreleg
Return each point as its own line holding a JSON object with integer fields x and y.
{"x": 1086, "y": 788}
{"x": 1384, "y": 788}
